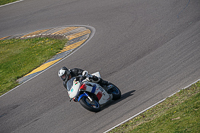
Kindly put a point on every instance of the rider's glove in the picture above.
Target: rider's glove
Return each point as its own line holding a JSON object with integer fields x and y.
{"x": 80, "y": 78}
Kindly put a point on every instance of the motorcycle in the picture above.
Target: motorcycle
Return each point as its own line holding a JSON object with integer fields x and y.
{"x": 91, "y": 95}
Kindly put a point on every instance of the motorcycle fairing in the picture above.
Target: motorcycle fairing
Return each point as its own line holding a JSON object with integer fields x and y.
{"x": 101, "y": 94}
{"x": 74, "y": 90}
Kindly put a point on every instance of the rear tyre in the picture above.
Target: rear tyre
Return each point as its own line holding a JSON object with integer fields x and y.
{"x": 115, "y": 92}
{"x": 90, "y": 105}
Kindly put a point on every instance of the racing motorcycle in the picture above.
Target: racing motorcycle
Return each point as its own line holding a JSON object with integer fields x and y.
{"x": 91, "y": 95}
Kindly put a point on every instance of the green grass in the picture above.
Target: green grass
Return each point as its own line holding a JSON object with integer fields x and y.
{"x": 19, "y": 57}
{"x": 177, "y": 114}
{"x": 3, "y": 2}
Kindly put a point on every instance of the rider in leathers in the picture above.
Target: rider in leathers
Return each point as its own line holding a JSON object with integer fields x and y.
{"x": 66, "y": 74}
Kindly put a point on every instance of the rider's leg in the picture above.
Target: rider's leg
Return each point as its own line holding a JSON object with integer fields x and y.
{"x": 103, "y": 82}
{"x": 100, "y": 81}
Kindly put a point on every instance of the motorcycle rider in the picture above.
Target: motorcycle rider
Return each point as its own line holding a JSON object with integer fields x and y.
{"x": 66, "y": 74}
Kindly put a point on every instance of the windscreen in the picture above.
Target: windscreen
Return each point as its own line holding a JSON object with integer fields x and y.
{"x": 70, "y": 83}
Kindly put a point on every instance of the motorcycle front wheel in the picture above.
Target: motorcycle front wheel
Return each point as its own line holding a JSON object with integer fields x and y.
{"x": 90, "y": 105}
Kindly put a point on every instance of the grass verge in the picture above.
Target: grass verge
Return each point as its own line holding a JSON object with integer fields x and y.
{"x": 18, "y": 57}
{"x": 177, "y": 114}
{"x": 3, "y": 2}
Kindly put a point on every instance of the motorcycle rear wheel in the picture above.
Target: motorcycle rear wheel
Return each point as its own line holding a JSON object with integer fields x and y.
{"x": 115, "y": 91}
{"x": 90, "y": 105}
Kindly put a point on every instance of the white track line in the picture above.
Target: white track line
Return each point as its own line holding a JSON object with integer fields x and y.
{"x": 149, "y": 107}
{"x": 11, "y": 3}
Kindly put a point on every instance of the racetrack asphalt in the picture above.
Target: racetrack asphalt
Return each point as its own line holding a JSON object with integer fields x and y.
{"x": 148, "y": 48}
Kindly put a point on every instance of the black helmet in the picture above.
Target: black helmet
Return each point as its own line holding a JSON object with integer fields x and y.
{"x": 64, "y": 73}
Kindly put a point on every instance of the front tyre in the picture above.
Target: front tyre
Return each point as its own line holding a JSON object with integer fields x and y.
{"x": 90, "y": 105}
{"x": 114, "y": 90}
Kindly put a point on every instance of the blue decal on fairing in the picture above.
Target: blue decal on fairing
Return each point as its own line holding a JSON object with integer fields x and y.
{"x": 93, "y": 89}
